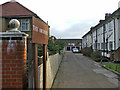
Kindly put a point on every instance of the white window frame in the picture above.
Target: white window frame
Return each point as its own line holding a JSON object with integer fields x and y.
{"x": 98, "y": 46}
{"x": 102, "y": 46}
{"x": 110, "y": 45}
{"x": 110, "y": 26}
{"x": 23, "y": 21}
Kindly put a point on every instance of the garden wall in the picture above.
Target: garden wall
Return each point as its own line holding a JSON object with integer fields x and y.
{"x": 53, "y": 63}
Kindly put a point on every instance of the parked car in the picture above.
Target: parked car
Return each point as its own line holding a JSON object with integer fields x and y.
{"x": 75, "y": 50}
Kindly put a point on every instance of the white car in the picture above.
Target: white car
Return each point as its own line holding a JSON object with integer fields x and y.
{"x": 75, "y": 50}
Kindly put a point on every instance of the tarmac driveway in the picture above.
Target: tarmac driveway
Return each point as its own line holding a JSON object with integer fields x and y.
{"x": 78, "y": 71}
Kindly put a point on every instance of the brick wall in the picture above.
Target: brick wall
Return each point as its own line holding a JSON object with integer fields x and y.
{"x": 117, "y": 54}
{"x": 13, "y": 63}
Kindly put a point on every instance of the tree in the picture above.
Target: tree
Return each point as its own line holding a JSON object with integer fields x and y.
{"x": 56, "y": 46}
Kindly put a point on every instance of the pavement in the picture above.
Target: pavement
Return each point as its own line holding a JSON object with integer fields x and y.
{"x": 78, "y": 71}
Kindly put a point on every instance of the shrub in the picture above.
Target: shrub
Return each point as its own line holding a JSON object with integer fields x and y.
{"x": 96, "y": 55}
{"x": 104, "y": 59}
{"x": 40, "y": 50}
{"x": 55, "y": 47}
{"x": 87, "y": 51}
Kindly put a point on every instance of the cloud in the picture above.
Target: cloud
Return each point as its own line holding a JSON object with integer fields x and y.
{"x": 76, "y": 30}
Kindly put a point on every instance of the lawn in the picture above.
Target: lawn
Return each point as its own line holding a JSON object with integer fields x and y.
{"x": 115, "y": 67}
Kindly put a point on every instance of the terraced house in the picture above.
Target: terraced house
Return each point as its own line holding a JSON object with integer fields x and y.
{"x": 105, "y": 36}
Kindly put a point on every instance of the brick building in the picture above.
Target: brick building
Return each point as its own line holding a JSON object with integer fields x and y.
{"x": 14, "y": 10}
{"x": 72, "y": 43}
{"x": 31, "y": 24}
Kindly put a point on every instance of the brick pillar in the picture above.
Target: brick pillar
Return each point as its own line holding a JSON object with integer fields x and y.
{"x": 13, "y": 60}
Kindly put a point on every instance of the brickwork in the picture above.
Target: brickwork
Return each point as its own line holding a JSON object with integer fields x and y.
{"x": 117, "y": 54}
{"x": 13, "y": 63}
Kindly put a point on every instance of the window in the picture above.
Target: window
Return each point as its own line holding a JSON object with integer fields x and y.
{"x": 83, "y": 45}
{"x": 98, "y": 31}
{"x": 102, "y": 46}
{"x": 73, "y": 44}
{"x": 110, "y": 45}
{"x": 106, "y": 46}
{"x": 106, "y": 27}
{"x": 24, "y": 25}
{"x": 110, "y": 25}
{"x": 98, "y": 46}
{"x": 86, "y": 44}
{"x": 69, "y": 43}
{"x": 95, "y": 46}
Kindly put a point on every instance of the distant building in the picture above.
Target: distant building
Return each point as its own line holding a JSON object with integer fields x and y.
{"x": 72, "y": 43}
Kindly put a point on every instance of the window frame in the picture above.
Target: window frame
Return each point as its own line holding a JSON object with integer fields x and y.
{"x": 23, "y": 21}
{"x": 110, "y": 45}
{"x": 110, "y": 26}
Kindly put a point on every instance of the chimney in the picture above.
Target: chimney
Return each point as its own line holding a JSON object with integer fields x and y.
{"x": 119, "y": 4}
{"x": 13, "y": 1}
{"x": 107, "y": 15}
{"x": 101, "y": 21}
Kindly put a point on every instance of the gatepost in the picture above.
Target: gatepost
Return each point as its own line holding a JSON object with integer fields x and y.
{"x": 13, "y": 59}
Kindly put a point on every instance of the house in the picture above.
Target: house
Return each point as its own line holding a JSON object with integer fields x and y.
{"x": 105, "y": 36}
{"x": 87, "y": 40}
{"x": 72, "y": 43}
{"x": 28, "y": 19}
{"x": 31, "y": 24}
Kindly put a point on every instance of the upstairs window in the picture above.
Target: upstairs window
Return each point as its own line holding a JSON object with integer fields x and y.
{"x": 98, "y": 46}
{"x": 69, "y": 43}
{"x": 73, "y": 44}
{"x": 102, "y": 46}
{"x": 24, "y": 25}
{"x": 110, "y": 25}
{"x": 106, "y": 27}
{"x": 106, "y": 46}
{"x": 110, "y": 45}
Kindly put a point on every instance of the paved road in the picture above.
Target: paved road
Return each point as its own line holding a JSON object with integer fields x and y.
{"x": 77, "y": 71}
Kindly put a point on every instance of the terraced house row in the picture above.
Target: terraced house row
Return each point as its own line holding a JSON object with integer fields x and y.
{"x": 105, "y": 36}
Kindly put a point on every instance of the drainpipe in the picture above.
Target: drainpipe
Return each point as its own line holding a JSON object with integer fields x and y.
{"x": 96, "y": 39}
{"x": 114, "y": 36}
{"x": 104, "y": 39}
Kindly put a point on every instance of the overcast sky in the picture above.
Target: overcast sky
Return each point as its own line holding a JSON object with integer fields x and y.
{"x": 70, "y": 18}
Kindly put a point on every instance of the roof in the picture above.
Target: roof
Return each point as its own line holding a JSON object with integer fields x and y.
{"x": 116, "y": 13}
{"x": 86, "y": 34}
{"x": 71, "y": 39}
{"x": 14, "y": 8}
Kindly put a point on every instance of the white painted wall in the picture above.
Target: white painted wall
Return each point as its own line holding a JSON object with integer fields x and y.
{"x": 87, "y": 41}
{"x": 93, "y": 39}
{"x": 118, "y": 33}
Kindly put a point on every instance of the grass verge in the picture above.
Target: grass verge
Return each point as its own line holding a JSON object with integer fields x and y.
{"x": 115, "y": 67}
